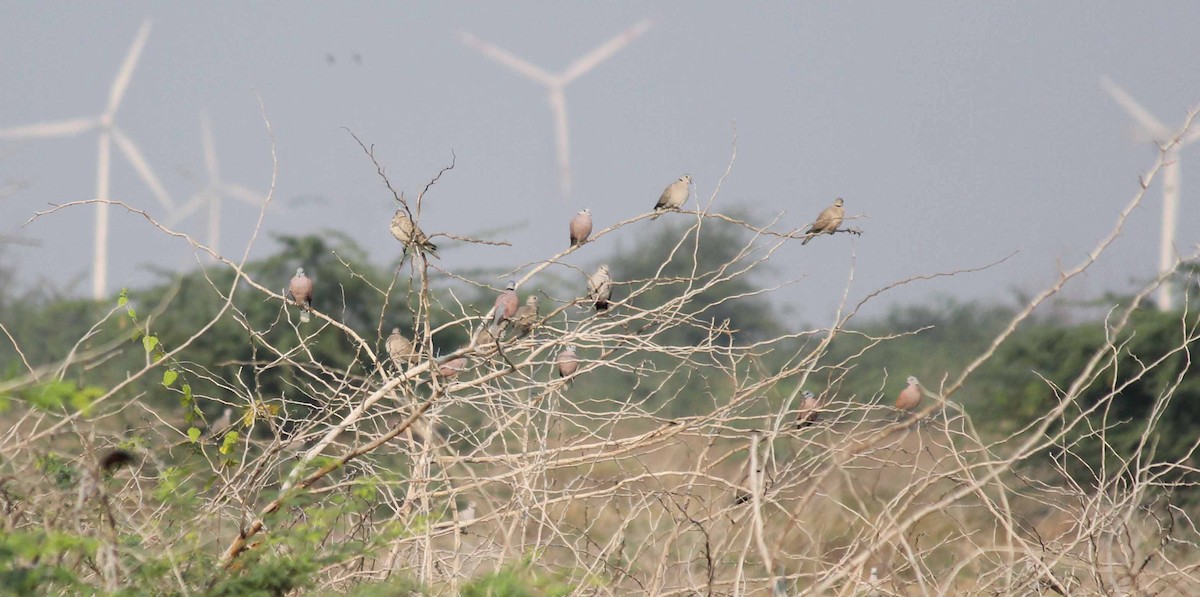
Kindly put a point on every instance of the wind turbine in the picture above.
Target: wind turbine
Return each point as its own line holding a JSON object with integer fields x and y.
{"x": 109, "y": 133}
{"x": 556, "y": 84}
{"x": 213, "y": 191}
{"x": 1162, "y": 136}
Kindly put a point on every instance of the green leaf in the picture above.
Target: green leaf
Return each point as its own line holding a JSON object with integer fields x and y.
{"x": 193, "y": 434}
{"x": 229, "y": 442}
{"x": 132, "y": 312}
{"x": 122, "y": 300}
{"x": 149, "y": 342}
{"x": 169, "y": 377}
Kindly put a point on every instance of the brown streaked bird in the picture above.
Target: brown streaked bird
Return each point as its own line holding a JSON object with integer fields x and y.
{"x": 674, "y": 196}
{"x": 527, "y": 316}
{"x": 410, "y": 234}
{"x": 301, "y": 289}
{"x": 810, "y": 411}
{"x": 581, "y": 227}
{"x": 567, "y": 361}
{"x": 599, "y": 288}
{"x": 450, "y": 369}
{"x": 505, "y": 307}
{"x": 827, "y": 222}
{"x": 909, "y": 397}
{"x": 401, "y": 349}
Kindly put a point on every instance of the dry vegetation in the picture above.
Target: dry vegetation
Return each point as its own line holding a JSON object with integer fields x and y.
{"x": 584, "y": 487}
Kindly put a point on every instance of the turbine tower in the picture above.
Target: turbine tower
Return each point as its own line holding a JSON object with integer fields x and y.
{"x": 213, "y": 191}
{"x": 1162, "y": 136}
{"x": 109, "y": 133}
{"x": 556, "y": 84}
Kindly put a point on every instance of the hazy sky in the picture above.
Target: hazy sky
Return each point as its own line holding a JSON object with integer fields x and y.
{"x": 966, "y": 130}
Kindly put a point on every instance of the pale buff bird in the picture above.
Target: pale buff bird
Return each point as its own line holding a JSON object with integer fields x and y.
{"x": 301, "y": 289}
{"x": 675, "y": 195}
{"x": 581, "y": 227}
{"x": 410, "y": 234}
{"x": 909, "y": 397}
{"x": 827, "y": 222}
{"x": 526, "y": 316}
{"x": 484, "y": 338}
{"x": 466, "y": 516}
{"x": 567, "y": 361}
{"x": 401, "y": 349}
{"x": 599, "y": 288}
{"x": 450, "y": 369}
{"x": 505, "y": 307}
{"x": 809, "y": 410}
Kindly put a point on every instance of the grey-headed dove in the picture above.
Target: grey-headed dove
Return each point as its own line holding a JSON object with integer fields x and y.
{"x": 401, "y": 349}
{"x": 809, "y": 410}
{"x": 567, "y": 361}
{"x": 301, "y": 289}
{"x": 408, "y": 233}
{"x": 675, "y": 195}
{"x": 827, "y": 222}
{"x": 599, "y": 287}
{"x": 581, "y": 227}
{"x": 527, "y": 315}
{"x": 909, "y": 397}
{"x": 505, "y": 307}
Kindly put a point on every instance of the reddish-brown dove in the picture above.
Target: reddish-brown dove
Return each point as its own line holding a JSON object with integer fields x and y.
{"x": 599, "y": 287}
{"x": 675, "y": 195}
{"x": 401, "y": 349}
{"x": 450, "y": 369}
{"x": 505, "y": 307}
{"x": 827, "y": 222}
{"x": 581, "y": 227}
{"x": 408, "y": 233}
{"x": 909, "y": 397}
{"x": 527, "y": 315}
{"x": 567, "y": 361}
{"x": 301, "y": 289}
{"x": 809, "y": 410}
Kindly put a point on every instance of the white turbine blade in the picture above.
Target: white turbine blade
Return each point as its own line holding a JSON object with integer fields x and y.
{"x": 100, "y": 248}
{"x": 121, "y": 83}
{"x": 1192, "y": 136}
{"x": 243, "y": 194}
{"x": 188, "y": 208}
{"x": 507, "y": 59}
{"x": 604, "y": 52}
{"x": 61, "y": 128}
{"x": 210, "y": 150}
{"x": 134, "y": 155}
{"x": 558, "y": 103}
{"x": 1140, "y": 114}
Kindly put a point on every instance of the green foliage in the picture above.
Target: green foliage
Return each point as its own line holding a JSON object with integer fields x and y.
{"x": 31, "y": 561}
{"x": 268, "y": 576}
{"x": 518, "y": 580}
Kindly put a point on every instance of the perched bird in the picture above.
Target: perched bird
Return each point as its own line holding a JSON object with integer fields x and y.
{"x": 809, "y": 410}
{"x": 827, "y": 222}
{"x": 909, "y": 397}
{"x": 484, "y": 336}
{"x": 675, "y": 195}
{"x": 581, "y": 227}
{"x": 451, "y": 368}
{"x": 116, "y": 457}
{"x": 401, "y": 349}
{"x": 408, "y": 233}
{"x": 301, "y": 289}
{"x": 599, "y": 288}
{"x": 505, "y": 307}
{"x": 567, "y": 361}
{"x": 527, "y": 315}
{"x": 223, "y": 423}
{"x": 466, "y": 516}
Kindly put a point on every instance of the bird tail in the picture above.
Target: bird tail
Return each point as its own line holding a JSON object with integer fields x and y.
{"x": 304, "y": 316}
{"x": 431, "y": 249}
{"x": 806, "y": 239}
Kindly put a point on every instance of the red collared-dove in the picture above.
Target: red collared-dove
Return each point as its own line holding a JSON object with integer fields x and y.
{"x": 408, "y": 233}
{"x": 301, "y": 289}
{"x": 809, "y": 410}
{"x": 599, "y": 287}
{"x": 567, "y": 361}
{"x": 675, "y": 195}
{"x": 581, "y": 227}
{"x": 401, "y": 349}
{"x": 505, "y": 307}
{"x": 827, "y": 222}
{"x": 909, "y": 397}
{"x": 450, "y": 369}
{"x": 526, "y": 316}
